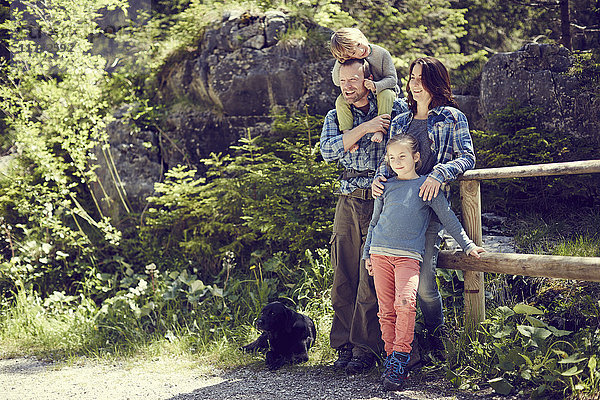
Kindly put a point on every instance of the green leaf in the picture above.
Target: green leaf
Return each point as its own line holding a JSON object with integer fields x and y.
{"x": 501, "y": 386}
{"x": 541, "y": 333}
{"x": 527, "y": 359}
{"x": 454, "y": 378}
{"x": 505, "y": 311}
{"x": 525, "y": 309}
{"x": 572, "y": 359}
{"x": 196, "y": 285}
{"x": 558, "y": 332}
{"x": 507, "y": 330}
{"x": 536, "y": 322}
{"x": 572, "y": 371}
{"x": 592, "y": 363}
{"x": 526, "y": 330}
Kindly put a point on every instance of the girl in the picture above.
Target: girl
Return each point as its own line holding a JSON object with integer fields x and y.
{"x": 446, "y": 152}
{"x": 394, "y": 247}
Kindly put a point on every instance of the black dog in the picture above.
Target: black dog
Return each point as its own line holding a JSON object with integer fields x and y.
{"x": 287, "y": 335}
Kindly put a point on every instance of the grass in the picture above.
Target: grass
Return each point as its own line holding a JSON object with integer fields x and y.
{"x": 31, "y": 326}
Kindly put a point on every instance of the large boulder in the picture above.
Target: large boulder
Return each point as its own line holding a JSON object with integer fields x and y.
{"x": 538, "y": 75}
{"x": 239, "y": 74}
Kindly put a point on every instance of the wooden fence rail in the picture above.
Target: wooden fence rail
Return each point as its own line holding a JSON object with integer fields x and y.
{"x": 580, "y": 268}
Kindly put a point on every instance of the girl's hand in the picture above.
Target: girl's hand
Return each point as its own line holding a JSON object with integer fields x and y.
{"x": 429, "y": 189}
{"x": 476, "y": 251}
{"x": 369, "y": 266}
{"x": 369, "y": 84}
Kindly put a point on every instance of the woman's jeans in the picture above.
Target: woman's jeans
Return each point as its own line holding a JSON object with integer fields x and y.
{"x": 429, "y": 298}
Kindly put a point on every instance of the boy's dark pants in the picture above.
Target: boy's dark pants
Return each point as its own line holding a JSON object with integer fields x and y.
{"x": 353, "y": 292}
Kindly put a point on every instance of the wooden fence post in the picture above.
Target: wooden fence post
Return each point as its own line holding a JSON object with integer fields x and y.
{"x": 470, "y": 198}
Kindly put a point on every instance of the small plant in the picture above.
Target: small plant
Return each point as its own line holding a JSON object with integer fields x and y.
{"x": 515, "y": 349}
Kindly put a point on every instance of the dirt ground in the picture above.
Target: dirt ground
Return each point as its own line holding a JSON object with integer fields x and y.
{"x": 31, "y": 379}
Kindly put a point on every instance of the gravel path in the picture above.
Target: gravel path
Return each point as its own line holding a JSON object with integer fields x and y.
{"x": 30, "y": 379}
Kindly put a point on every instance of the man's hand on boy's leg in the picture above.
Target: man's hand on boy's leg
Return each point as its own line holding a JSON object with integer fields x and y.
{"x": 377, "y": 137}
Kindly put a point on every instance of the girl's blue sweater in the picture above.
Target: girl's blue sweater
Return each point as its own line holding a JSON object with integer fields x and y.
{"x": 400, "y": 219}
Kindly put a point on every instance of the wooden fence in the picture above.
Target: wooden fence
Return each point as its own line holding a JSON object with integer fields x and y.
{"x": 580, "y": 268}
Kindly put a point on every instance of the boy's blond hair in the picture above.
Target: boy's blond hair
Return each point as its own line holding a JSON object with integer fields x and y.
{"x": 344, "y": 41}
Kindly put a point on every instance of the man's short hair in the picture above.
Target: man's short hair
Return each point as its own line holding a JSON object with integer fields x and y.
{"x": 364, "y": 65}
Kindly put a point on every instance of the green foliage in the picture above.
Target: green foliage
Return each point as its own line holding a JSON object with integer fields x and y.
{"x": 522, "y": 310}
{"x": 521, "y": 138}
{"x": 586, "y": 67}
{"x": 411, "y": 29}
{"x": 516, "y": 348}
{"x": 58, "y": 326}
{"x": 56, "y": 112}
{"x": 266, "y": 197}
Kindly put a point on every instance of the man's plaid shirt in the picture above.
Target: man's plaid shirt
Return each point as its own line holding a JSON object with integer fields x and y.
{"x": 369, "y": 154}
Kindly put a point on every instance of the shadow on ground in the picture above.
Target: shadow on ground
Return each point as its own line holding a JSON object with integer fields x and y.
{"x": 323, "y": 382}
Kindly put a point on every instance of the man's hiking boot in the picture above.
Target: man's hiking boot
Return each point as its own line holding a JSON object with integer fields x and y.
{"x": 361, "y": 364}
{"x": 344, "y": 356}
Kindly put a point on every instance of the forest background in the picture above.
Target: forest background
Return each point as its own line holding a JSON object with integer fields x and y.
{"x": 217, "y": 241}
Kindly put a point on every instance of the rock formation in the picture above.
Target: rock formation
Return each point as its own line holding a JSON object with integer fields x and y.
{"x": 537, "y": 75}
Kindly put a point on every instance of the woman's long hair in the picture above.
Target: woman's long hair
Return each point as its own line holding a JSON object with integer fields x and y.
{"x": 435, "y": 80}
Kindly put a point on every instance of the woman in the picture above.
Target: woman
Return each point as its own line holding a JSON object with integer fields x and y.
{"x": 446, "y": 151}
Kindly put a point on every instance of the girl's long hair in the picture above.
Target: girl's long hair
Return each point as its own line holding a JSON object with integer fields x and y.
{"x": 436, "y": 80}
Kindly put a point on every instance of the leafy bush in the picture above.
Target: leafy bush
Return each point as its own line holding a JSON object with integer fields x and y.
{"x": 55, "y": 117}
{"x": 516, "y": 350}
{"x": 269, "y": 196}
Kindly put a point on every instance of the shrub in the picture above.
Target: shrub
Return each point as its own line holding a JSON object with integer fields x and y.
{"x": 269, "y": 196}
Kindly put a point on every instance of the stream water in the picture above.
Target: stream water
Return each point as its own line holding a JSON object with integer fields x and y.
{"x": 493, "y": 237}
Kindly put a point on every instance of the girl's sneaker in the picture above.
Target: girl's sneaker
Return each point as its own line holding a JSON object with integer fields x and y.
{"x": 396, "y": 371}
{"x": 386, "y": 366}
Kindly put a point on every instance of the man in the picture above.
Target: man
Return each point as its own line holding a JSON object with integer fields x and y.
{"x": 355, "y": 331}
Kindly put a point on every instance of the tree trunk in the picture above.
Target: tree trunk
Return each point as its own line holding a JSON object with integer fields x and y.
{"x": 565, "y": 24}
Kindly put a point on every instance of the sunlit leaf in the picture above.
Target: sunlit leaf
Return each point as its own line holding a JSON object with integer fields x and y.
{"x": 525, "y": 309}
{"x": 196, "y": 285}
{"x": 558, "y": 332}
{"x": 526, "y": 330}
{"x": 572, "y": 371}
{"x": 592, "y": 363}
{"x": 572, "y": 359}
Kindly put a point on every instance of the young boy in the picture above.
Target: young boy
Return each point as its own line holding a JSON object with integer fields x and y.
{"x": 347, "y": 43}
